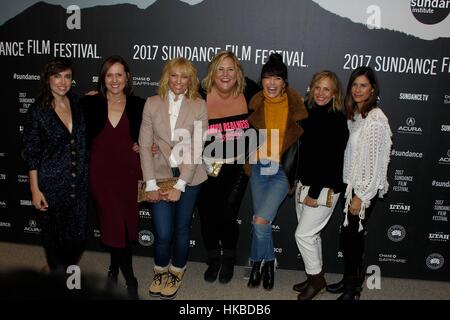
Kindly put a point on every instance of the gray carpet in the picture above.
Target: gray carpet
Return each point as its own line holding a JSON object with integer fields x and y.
{"x": 15, "y": 256}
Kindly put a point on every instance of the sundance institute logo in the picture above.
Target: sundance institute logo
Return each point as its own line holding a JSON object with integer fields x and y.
{"x": 430, "y": 11}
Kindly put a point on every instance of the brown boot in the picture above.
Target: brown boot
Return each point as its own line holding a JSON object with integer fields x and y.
{"x": 316, "y": 284}
{"x": 300, "y": 287}
{"x": 159, "y": 280}
{"x": 173, "y": 283}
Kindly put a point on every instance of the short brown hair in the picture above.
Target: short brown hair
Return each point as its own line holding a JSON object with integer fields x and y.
{"x": 128, "y": 90}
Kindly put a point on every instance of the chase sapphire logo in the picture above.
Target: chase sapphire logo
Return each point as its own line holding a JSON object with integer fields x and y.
{"x": 430, "y": 11}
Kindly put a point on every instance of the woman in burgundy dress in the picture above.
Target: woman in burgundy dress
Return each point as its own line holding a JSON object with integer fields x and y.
{"x": 113, "y": 119}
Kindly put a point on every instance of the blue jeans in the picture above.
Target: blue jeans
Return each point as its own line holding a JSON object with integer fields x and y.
{"x": 268, "y": 192}
{"x": 172, "y": 226}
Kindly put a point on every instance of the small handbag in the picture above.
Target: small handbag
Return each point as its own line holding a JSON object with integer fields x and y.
{"x": 325, "y": 197}
{"x": 212, "y": 166}
{"x": 213, "y": 169}
{"x": 163, "y": 184}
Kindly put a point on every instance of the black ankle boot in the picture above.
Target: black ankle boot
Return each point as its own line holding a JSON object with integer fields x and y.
{"x": 213, "y": 266}
{"x": 132, "y": 289}
{"x": 268, "y": 274}
{"x": 113, "y": 274}
{"x": 227, "y": 269}
{"x": 352, "y": 288}
{"x": 337, "y": 287}
{"x": 255, "y": 275}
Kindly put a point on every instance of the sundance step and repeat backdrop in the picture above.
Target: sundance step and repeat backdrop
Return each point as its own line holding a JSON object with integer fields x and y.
{"x": 408, "y": 235}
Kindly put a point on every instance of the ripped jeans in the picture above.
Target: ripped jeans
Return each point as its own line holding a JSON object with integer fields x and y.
{"x": 268, "y": 192}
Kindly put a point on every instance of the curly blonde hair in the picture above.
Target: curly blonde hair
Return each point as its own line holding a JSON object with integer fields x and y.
{"x": 186, "y": 67}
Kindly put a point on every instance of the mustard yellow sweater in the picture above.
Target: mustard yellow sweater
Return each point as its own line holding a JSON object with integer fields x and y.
{"x": 275, "y": 115}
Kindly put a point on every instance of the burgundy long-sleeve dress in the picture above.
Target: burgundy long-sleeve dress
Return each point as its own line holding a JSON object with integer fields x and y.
{"x": 113, "y": 173}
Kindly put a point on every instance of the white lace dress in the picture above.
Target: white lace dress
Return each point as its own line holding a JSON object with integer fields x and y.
{"x": 366, "y": 159}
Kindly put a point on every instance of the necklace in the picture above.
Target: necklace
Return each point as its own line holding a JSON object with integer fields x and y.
{"x": 119, "y": 100}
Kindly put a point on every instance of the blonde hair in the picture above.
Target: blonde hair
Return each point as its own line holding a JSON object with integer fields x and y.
{"x": 186, "y": 67}
{"x": 338, "y": 101}
{"x": 208, "y": 81}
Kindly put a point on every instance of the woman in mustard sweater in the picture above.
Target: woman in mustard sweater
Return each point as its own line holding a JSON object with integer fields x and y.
{"x": 277, "y": 111}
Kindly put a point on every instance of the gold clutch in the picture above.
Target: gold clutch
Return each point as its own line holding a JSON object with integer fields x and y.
{"x": 141, "y": 191}
{"x": 215, "y": 169}
{"x": 163, "y": 184}
{"x": 326, "y": 196}
{"x": 166, "y": 184}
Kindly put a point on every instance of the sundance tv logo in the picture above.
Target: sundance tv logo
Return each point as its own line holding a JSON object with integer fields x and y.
{"x": 410, "y": 127}
{"x": 430, "y": 11}
{"x": 435, "y": 261}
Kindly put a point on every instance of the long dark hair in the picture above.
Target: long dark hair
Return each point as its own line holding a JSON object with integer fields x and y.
{"x": 275, "y": 67}
{"x": 128, "y": 90}
{"x": 53, "y": 66}
{"x": 372, "y": 102}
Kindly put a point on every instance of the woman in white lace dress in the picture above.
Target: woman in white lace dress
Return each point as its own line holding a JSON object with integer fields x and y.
{"x": 365, "y": 173}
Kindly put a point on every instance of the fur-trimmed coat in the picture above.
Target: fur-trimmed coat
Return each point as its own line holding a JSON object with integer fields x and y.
{"x": 289, "y": 151}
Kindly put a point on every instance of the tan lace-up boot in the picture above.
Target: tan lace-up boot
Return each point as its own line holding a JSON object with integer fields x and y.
{"x": 159, "y": 280}
{"x": 173, "y": 283}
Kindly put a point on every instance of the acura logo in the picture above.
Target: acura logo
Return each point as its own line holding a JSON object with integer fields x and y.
{"x": 32, "y": 223}
{"x": 410, "y": 121}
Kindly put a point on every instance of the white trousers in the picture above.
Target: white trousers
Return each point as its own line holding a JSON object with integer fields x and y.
{"x": 311, "y": 221}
